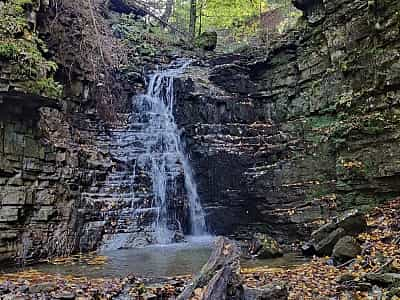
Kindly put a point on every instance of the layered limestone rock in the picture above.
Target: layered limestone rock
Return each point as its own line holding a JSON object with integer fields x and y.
{"x": 51, "y": 153}
{"x": 282, "y": 137}
{"x": 42, "y": 174}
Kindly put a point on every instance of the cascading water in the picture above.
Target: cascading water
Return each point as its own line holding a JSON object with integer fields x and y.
{"x": 165, "y": 154}
{"x": 154, "y": 195}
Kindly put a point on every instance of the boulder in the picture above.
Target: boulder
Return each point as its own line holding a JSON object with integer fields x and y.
{"x": 353, "y": 222}
{"x": 345, "y": 249}
{"x": 325, "y": 246}
{"x": 123, "y": 7}
{"x": 265, "y": 247}
{"x": 323, "y": 231}
{"x": 207, "y": 41}
{"x": 303, "y": 4}
{"x": 323, "y": 240}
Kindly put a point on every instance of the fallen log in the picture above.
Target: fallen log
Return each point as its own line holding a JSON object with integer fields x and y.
{"x": 220, "y": 276}
{"x": 220, "y": 279}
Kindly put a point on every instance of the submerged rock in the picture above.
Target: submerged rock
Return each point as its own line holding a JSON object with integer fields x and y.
{"x": 265, "y": 247}
{"x": 346, "y": 248}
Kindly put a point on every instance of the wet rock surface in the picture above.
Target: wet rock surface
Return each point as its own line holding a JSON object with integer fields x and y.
{"x": 282, "y": 137}
{"x": 279, "y": 138}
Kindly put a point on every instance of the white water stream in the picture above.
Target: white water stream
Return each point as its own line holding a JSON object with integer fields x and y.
{"x": 152, "y": 144}
{"x": 165, "y": 151}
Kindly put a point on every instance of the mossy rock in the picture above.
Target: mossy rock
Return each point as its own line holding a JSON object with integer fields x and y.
{"x": 207, "y": 41}
{"x": 268, "y": 247}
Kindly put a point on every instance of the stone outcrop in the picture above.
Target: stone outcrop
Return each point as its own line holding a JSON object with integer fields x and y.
{"x": 282, "y": 137}
{"x": 51, "y": 152}
{"x": 40, "y": 179}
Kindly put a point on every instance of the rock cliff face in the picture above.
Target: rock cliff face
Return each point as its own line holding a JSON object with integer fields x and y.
{"x": 41, "y": 180}
{"x": 283, "y": 137}
{"x": 50, "y": 154}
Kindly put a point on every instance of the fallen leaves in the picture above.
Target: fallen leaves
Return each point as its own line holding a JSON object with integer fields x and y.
{"x": 32, "y": 283}
{"x": 81, "y": 259}
{"x": 318, "y": 279}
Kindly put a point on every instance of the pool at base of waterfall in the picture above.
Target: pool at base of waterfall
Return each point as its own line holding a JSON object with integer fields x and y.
{"x": 156, "y": 261}
{"x": 151, "y": 261}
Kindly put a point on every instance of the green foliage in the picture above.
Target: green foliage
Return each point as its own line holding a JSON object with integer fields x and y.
{"x": 238, "y": 22}
{"x": 44, "y": 86}
{"x": 142, "y": 39}
{"x": 22, "y": 50}
{"x": 8, "y": 51}
{"x": 237, "y": 15}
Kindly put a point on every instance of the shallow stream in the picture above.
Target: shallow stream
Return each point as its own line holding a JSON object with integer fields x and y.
{"x": 158, "y": 261}
{"x": 152, "y": 261}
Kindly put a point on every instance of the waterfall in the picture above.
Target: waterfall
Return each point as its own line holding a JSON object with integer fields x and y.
{"x": 165, "y": 155}
{"x": 151, "y": 195}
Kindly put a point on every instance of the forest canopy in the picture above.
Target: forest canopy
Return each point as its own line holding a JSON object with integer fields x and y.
{"x": 233, "y": 20}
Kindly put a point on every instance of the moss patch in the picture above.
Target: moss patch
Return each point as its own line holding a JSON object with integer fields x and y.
{"x": 22, "y": 51}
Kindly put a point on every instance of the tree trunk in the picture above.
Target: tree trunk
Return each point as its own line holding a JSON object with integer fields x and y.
{"x": 200, "y": 17}
{"x": 192, "y": 22}
{"x": 168, "y": 11}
